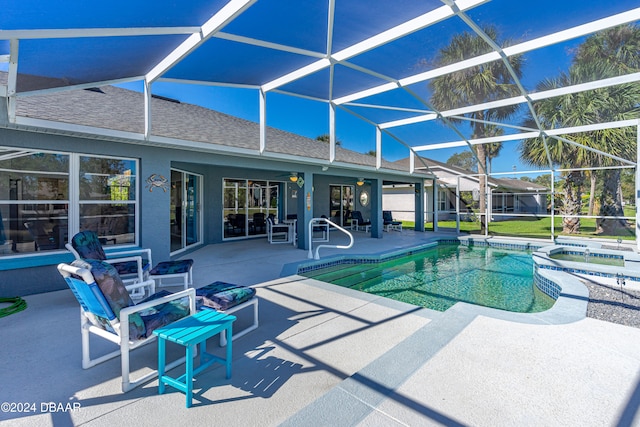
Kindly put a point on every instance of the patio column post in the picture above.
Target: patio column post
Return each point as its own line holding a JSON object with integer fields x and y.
{"x": 419, "y": 205}
{"x": 436, "y": 202}
{"x": 305, "y": 209}
{"x": 376, "y": 209}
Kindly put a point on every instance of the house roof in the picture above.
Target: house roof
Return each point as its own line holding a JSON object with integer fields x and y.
{"x": 118, "y": 109}
{"x": 519, "y": 184}
{"x": 433, "y": 166}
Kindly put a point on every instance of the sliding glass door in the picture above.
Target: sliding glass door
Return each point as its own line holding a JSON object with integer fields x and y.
{"x": 186, "y": 222}
{"x": 341, "y": 203}
{"x": 247, "y": 203}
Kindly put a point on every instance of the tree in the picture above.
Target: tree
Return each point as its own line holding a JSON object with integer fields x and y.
{"x": 465, "y": 160}
{"x": 615, "y": 51}
{"x": 475, "y": 85}
{"x": 595, "y": 59}
{"x": 563, "y": 155}
{"x": 327, "y": 138}
{"x": 628, "y": 181}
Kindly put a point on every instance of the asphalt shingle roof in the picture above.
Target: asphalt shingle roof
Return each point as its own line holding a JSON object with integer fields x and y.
{"x": 121, "y": 109}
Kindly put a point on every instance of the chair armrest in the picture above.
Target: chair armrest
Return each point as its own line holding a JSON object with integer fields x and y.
{"x": 150, "y": 283}
{"x": 141, "y": 252}
{"x": 191, "y": 293}
{"x": 124, "y": 259}
{"x": 127, "y": 311}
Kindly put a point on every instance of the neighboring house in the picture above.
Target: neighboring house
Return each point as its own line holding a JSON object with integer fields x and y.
{"x": 508, "y": 196}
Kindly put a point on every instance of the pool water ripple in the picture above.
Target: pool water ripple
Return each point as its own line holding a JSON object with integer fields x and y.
{"x": 439, "y": 277}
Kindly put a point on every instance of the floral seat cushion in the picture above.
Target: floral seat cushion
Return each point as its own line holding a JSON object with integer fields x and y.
{"x": 222, "y": 296}
{"x": 172, "y": 267}
{"x": 129, "y": 267}
{"x": 163, "y": 314}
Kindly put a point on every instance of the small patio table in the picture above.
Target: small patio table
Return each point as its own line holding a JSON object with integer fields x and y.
{"x": 189, "y": 332}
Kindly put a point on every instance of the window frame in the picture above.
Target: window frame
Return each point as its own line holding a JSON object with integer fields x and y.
{"x": 74, "y": 201}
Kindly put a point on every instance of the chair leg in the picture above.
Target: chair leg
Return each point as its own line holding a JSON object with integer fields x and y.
{"x": 87, "y": 362}
{"x": 124, "y": 361}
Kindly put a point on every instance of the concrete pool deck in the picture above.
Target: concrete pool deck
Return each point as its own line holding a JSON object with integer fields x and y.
{"x": 325, "y": 355}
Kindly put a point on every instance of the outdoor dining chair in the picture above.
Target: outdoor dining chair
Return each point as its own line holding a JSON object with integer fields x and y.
{"x": 278, "y": 233}
{"x": 108, "y": 311}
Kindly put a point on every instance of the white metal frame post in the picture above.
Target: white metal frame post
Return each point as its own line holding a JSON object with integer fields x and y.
{"x": 12, "y": 80}
{"x": 553, "y": 204}
{"x": 263, "y": 120}
{"x": 147, "y": 109}
{"x": 637, "y": 183}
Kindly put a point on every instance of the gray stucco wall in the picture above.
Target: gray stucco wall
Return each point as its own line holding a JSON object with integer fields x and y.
{"x": 36, "y": 273}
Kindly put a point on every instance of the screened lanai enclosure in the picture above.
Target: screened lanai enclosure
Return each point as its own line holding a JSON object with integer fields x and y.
{"x": 531, "y": 106}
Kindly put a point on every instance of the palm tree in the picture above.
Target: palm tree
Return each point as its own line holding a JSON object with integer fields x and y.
{"x": 492, "y": 149}
{"x": 475, "y": 85}
{"x": 616, "y": 51}
{"x": 606, "y": 104}
{"x": 562, "y": 154}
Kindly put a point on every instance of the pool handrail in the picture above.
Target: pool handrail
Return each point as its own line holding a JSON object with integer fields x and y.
{"x": 315, "y": 222}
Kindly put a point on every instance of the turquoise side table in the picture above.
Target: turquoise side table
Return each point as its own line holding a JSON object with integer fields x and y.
{"x": 189, "y": 332}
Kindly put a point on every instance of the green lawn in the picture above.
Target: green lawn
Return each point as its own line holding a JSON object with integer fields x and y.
{"x": 531, "y": 227}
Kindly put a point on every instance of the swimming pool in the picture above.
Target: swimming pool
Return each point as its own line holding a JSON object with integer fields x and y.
{"x": 439, "y": 277}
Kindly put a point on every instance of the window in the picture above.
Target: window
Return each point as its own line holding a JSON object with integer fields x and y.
{"x": 38, "y": 210}
{"x": 107, "y": 198}
{"x": 443, "y": 200}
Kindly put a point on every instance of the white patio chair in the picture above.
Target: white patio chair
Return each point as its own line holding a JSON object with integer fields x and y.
{"x": 105, "y": 314}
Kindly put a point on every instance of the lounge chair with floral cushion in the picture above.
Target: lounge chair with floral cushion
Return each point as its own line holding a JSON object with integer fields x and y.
{"x": 108, "y": 311}
{"x": 133, "y": 265}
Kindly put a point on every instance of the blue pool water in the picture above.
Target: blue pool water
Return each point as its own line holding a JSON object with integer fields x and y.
{"x": 438, "y": 278}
